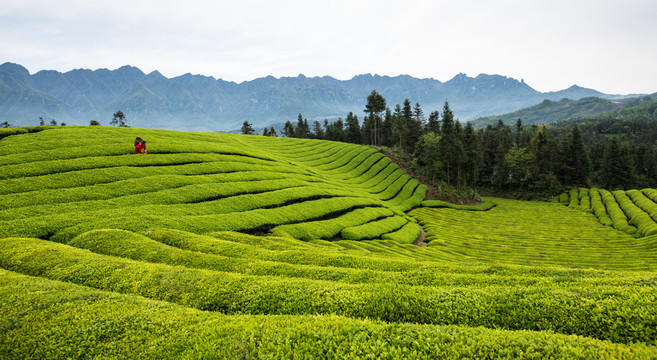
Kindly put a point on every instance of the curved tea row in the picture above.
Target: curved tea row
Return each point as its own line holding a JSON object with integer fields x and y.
{"x": 77, "y": 179}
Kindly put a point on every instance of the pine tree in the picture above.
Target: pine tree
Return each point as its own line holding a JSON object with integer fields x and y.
{"x": 519, "y": 133}
{"x": 247, "y": 129}
{"x": 433, "y": 124}
{"x": 353, "y": 134}
{"x": 288, "y": 129}
{"x": 448, "y": 151}
{"x": 473, "y": 157}
{"x": 376, "y": 104}
{"x": 614, "y": 169}
{"x": 318, "y": 131}
{"x": 412, "y": 128}
{"x": 579, "y": 158}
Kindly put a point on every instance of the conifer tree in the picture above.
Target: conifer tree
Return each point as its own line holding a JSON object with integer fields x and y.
{"x": 247, "y": 129}
{"x": 353, "y": 134}
{"x": 448, "y": 151}
{"x": 433, "y": 124}
{"x": 376, "y": 104}
{"x": 288, "y": 129}
{"x": 472, "y": 154}
{"x": 614, "y": 169}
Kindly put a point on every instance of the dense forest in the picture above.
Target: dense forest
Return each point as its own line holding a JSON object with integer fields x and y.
{"x": 611, "y": 150}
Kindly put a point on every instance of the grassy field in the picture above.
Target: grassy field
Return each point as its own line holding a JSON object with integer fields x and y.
{"x": 228, "y": 246}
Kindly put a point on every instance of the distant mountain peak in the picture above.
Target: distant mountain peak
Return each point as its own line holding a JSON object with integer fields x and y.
{"x": 199, "y": 102}
{"x": 18, "y": 72}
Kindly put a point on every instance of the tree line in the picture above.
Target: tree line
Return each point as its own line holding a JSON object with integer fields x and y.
{"x": 535, "y": 159}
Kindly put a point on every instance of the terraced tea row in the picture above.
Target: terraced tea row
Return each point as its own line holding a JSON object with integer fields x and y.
{"x": 128, "y": 256}
{"x": 200, "y": 183}
{"x": 632, "y": 211}
{"x": 587, "y": 304}
{"x": 533, "y": 233}
{"x": 112, "y": 325}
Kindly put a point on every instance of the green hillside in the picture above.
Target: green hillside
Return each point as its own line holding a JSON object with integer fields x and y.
{"x": 552, "y": 111}
{"x": 229, "y": 246}
{"x": 78, "y": 179}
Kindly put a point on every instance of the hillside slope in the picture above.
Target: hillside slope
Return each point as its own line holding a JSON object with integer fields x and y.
{"x": 76, "y": 179}
{"x": 567, "y": 111}
{"x": 193, "y": 251}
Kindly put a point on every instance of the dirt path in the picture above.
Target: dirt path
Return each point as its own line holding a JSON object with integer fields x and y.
{"x": 420, "y": 239}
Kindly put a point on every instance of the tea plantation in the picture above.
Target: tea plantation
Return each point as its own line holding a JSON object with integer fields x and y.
{"x": 229, "y": 246}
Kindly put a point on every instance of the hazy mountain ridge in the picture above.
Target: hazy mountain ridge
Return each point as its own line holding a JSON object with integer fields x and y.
{"x": 196, "y": 102}
{"x": 549, "y": 111}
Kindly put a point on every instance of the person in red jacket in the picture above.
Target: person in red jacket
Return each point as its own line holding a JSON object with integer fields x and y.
{"x": 140, "y": 146}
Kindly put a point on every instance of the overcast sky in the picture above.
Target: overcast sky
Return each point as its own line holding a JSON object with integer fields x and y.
{"x": 610, "y": 46}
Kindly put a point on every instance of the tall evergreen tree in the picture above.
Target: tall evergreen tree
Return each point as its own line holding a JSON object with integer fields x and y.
{"x": 504, "y": 144}
{"x": 353, "y": 134}
{"x": 318, "y": 132}
{"x": 399, "y": 128}
{"x": 579, "y": 158}
{"x": 247, "y": 129}
{"x": 387, "y": 129}
{"x": 376, "y": 104}
{"x": 412, "y": 128}
{"x": 473, "y": 157}
{"x": 519, "y": 133}
{"x": 288, "y": 129}
{"x": 614, "y": 170}
{"x": 418, "y": 114}
{"x": 433, "y": 125}
{"x": 448, "y": 151}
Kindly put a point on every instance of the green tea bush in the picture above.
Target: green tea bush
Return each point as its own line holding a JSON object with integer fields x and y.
{"x": 483, "y": 206}
{"x": 374, "y": 229}
{"x": 406, "y": 235}
{"x": 604, "y": 313}
{"x": 618, "y": 217}
{"x": 584, "y": 200}
{"x": 415, "y": 200}
{"x": 328, "y": 229}
{"x": 643, "y": 202}
{"x": 532, "y": 233}
{"x": 598, "y": 207}
{"x": 574, "y": 198}
{"x": 71, "y": 321}
{"x": 637, "y": 217}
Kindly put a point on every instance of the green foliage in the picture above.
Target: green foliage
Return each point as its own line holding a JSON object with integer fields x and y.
{"x": 534, "y": 233}
{"x": 70, "y": 321}
{"x": 628, "y": 211}
{"x": 247, "y": 129}
{"x": 497, "y": 306}
{"x": 552, "y": 111}
{"x": 198, "y": 183}
{"x": 483, "y": 206}
{"x": 215, "y": 246}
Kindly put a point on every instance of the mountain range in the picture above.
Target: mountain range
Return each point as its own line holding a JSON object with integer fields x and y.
{"x": 201, "y": 103}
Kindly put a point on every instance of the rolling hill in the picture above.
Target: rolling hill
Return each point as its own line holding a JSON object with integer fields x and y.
{"x": 233, "y": 246}
{"x": 549, "y": 112}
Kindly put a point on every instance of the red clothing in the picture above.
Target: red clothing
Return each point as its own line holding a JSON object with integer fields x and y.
{"x": 139, "y": 148}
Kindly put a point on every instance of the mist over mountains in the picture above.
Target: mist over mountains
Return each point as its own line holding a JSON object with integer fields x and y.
{"x": 202, "y": 103}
